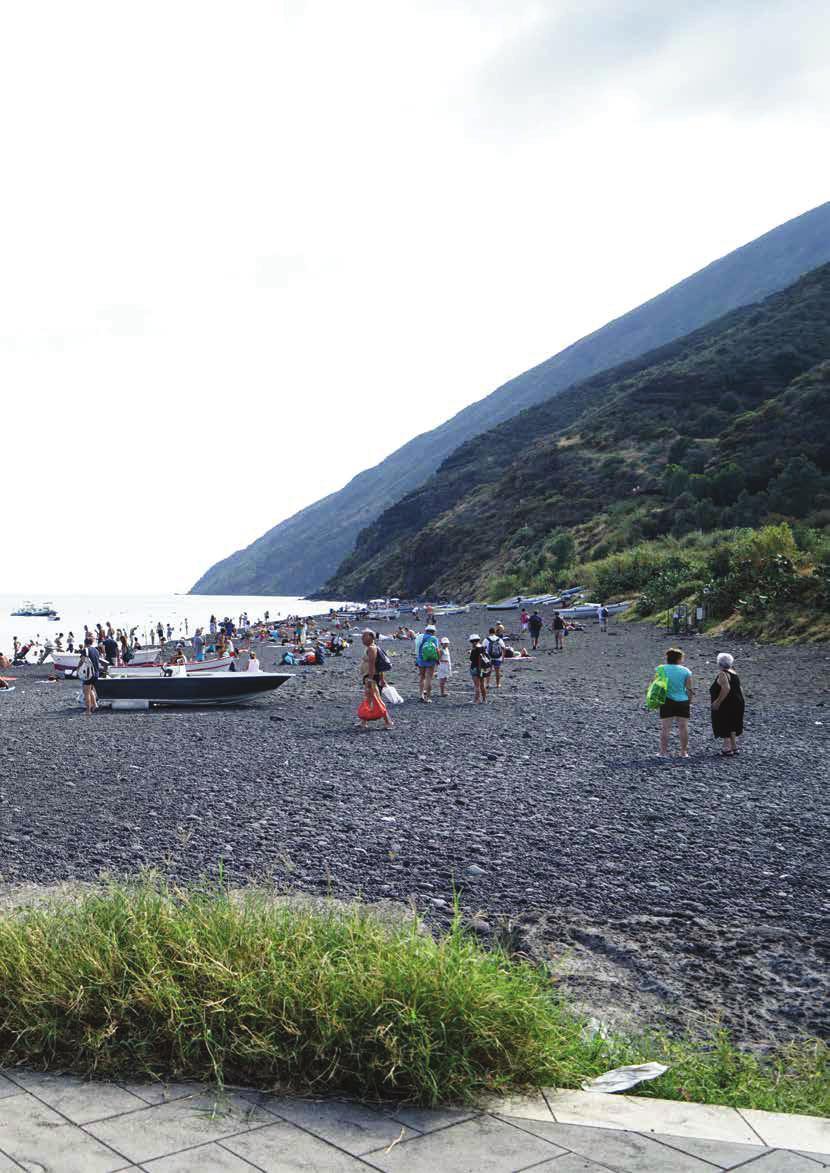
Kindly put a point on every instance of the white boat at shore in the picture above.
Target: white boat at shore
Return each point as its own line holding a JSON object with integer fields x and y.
{"x": 591, "y": 610}
{"x": 68, "y": 662}
{"x": 384, "y": 609}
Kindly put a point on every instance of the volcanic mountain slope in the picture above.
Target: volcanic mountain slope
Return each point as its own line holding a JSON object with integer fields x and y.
{"x": 299, "y": 554}
{"x": 728, "y": 426}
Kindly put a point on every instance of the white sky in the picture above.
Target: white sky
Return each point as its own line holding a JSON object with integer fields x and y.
{"x": 248, "y": 250}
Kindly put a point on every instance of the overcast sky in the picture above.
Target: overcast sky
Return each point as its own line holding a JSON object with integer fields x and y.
{"x": 248, "y": 250}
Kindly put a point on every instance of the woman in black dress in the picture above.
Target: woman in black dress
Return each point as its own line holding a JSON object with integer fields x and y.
{"x": 727, "y": 705}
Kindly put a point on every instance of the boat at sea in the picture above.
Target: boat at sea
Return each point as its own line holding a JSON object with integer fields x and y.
{"x": 31, "y": 610}
{"x": 209, "y": 688}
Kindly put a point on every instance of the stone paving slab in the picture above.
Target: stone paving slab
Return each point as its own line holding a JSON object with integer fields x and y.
{"x": 283, "y": 1147}
{"x": 790, "y": 1131}
{"x": 601, "y": 1110}
{"x": 618, "y": 1150}
{"x": 39, "y": 1138}
{"x": 482, "y": 1145}
{"x": 163, "y": 1129}
{"x": 70, "y": 1096}
{"x": 60, "y": 1124}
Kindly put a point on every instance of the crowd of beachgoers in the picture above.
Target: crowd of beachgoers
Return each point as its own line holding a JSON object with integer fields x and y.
{"x": 310, "y": 639}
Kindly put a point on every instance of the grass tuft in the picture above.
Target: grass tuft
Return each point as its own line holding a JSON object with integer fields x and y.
{"x": 175, "y": 983}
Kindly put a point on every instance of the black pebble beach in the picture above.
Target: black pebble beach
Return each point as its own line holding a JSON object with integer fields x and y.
{"x": 686, "y": 892}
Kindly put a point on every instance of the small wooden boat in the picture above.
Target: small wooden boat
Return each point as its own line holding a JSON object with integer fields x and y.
{"x": 223, "y": 688}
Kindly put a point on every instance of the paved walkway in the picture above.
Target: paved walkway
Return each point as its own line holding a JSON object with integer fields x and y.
{"x": 56, "y": 1124}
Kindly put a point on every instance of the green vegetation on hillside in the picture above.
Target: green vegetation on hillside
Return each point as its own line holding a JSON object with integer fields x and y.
{"x": 178, "y": 983}
{"x": 299, "y": 554}
{"x": 728, "y": 428}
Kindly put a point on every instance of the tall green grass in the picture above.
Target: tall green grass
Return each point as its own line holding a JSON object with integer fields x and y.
{"x": 149, "y": 979}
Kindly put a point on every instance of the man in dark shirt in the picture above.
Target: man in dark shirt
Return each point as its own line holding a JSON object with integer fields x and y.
{"x": 111, "y": 649}
{"x": 534, "y": 623}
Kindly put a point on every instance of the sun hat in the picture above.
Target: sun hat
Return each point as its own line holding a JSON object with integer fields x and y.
{"x": 444, "y": 639}
{"x": 430, "y": 627}
{"x": 474, "y": 636}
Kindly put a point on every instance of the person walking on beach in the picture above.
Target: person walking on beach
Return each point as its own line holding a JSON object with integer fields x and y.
{"x": 427, "y": 655}
{"x": 534, "y": 625}
{"x": 88, "y": 673}
{"x": 524, "y": 619}
{"x": 494, "y": 646}
{"x": 727, "y": 705}
{"x": 677, "y": 702}
{"x": 444, "y": 666}
{"x": 558, "y": 629}
{"x": 479, "y": 669}
{"x": 603, "y": 618}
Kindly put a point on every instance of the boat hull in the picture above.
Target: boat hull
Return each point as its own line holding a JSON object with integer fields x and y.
{"x": 225, "y": 688}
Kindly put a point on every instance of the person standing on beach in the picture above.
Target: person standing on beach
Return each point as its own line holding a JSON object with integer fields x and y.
{"x": 427, "y": 655}
{"x": 676, "y": 706}
{"x": 198, "y": 645}
{"x": 494, "y": 646}
{"x": 111, "y": 648}
{"x": 444, "y": 666}
{"x": 602, "y": 616}
{"x": 524, "y": 619}
{"x": 727, "y": 705}
{"x": 534, "y": 625}
{"x": 479, "y": 669}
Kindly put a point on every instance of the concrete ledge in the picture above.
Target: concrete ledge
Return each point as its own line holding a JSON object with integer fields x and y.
{"x": 675, "y": 1118}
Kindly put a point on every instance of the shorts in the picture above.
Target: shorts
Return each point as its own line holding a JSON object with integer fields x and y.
{"x": 671, "y": 708}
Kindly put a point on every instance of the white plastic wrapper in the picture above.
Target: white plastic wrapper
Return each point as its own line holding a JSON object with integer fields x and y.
{"x": 623, "y": 1078}
{"x": 391, "y": 695}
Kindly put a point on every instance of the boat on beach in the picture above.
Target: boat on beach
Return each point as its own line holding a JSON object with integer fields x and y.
{"x": 68, "y": 662}
{"x": 212, "y": 688}
{"x": 591, "y": 610}
{"x": 384, "y": 609}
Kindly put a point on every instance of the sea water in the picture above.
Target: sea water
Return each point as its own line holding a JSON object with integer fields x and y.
{"x": 183, "y": 612}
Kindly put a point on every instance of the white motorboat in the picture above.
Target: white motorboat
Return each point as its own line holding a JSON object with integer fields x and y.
{"x": 444, "y": 609}
{"x": 68, "y": 662}
{"x": 191, "y": 668}
{"x": 227, "y": 688}
{"x": 31, "y": 610}
{"x": 591, "y": 610}
{"x": 384, "y": 609}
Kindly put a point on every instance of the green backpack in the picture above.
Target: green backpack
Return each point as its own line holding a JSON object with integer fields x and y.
{"x": 658, "y": 690}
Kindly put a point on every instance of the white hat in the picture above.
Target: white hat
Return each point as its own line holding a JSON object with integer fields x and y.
{"x": 474, "y": 636}
{"x": 444, "y": 639}
{"x": 430, "y": 627}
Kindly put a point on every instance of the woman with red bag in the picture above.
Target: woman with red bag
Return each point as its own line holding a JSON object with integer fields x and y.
{"x": 372, "y": 708}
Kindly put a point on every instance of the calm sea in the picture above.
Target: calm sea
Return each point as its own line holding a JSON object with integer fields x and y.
{"x": 143, "y": 611}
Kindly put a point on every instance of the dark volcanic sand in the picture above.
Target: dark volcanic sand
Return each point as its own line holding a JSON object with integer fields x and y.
{"x": 673, "y": 890}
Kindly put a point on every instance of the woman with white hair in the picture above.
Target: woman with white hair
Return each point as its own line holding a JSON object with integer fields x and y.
{"x": 727, "y": 705}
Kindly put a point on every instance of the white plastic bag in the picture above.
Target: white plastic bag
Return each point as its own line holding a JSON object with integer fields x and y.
{"x": 391, "y": 695}
{"x": 622, "y": 1078}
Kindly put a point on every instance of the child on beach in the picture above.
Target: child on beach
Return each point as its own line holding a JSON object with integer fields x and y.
{"x": 372, "y": 708}
{"x": 444, "y": 666}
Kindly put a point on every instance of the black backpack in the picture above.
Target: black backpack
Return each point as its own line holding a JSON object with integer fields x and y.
{"x": 485, "y": 664}
{"x": 382, "y": 661}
